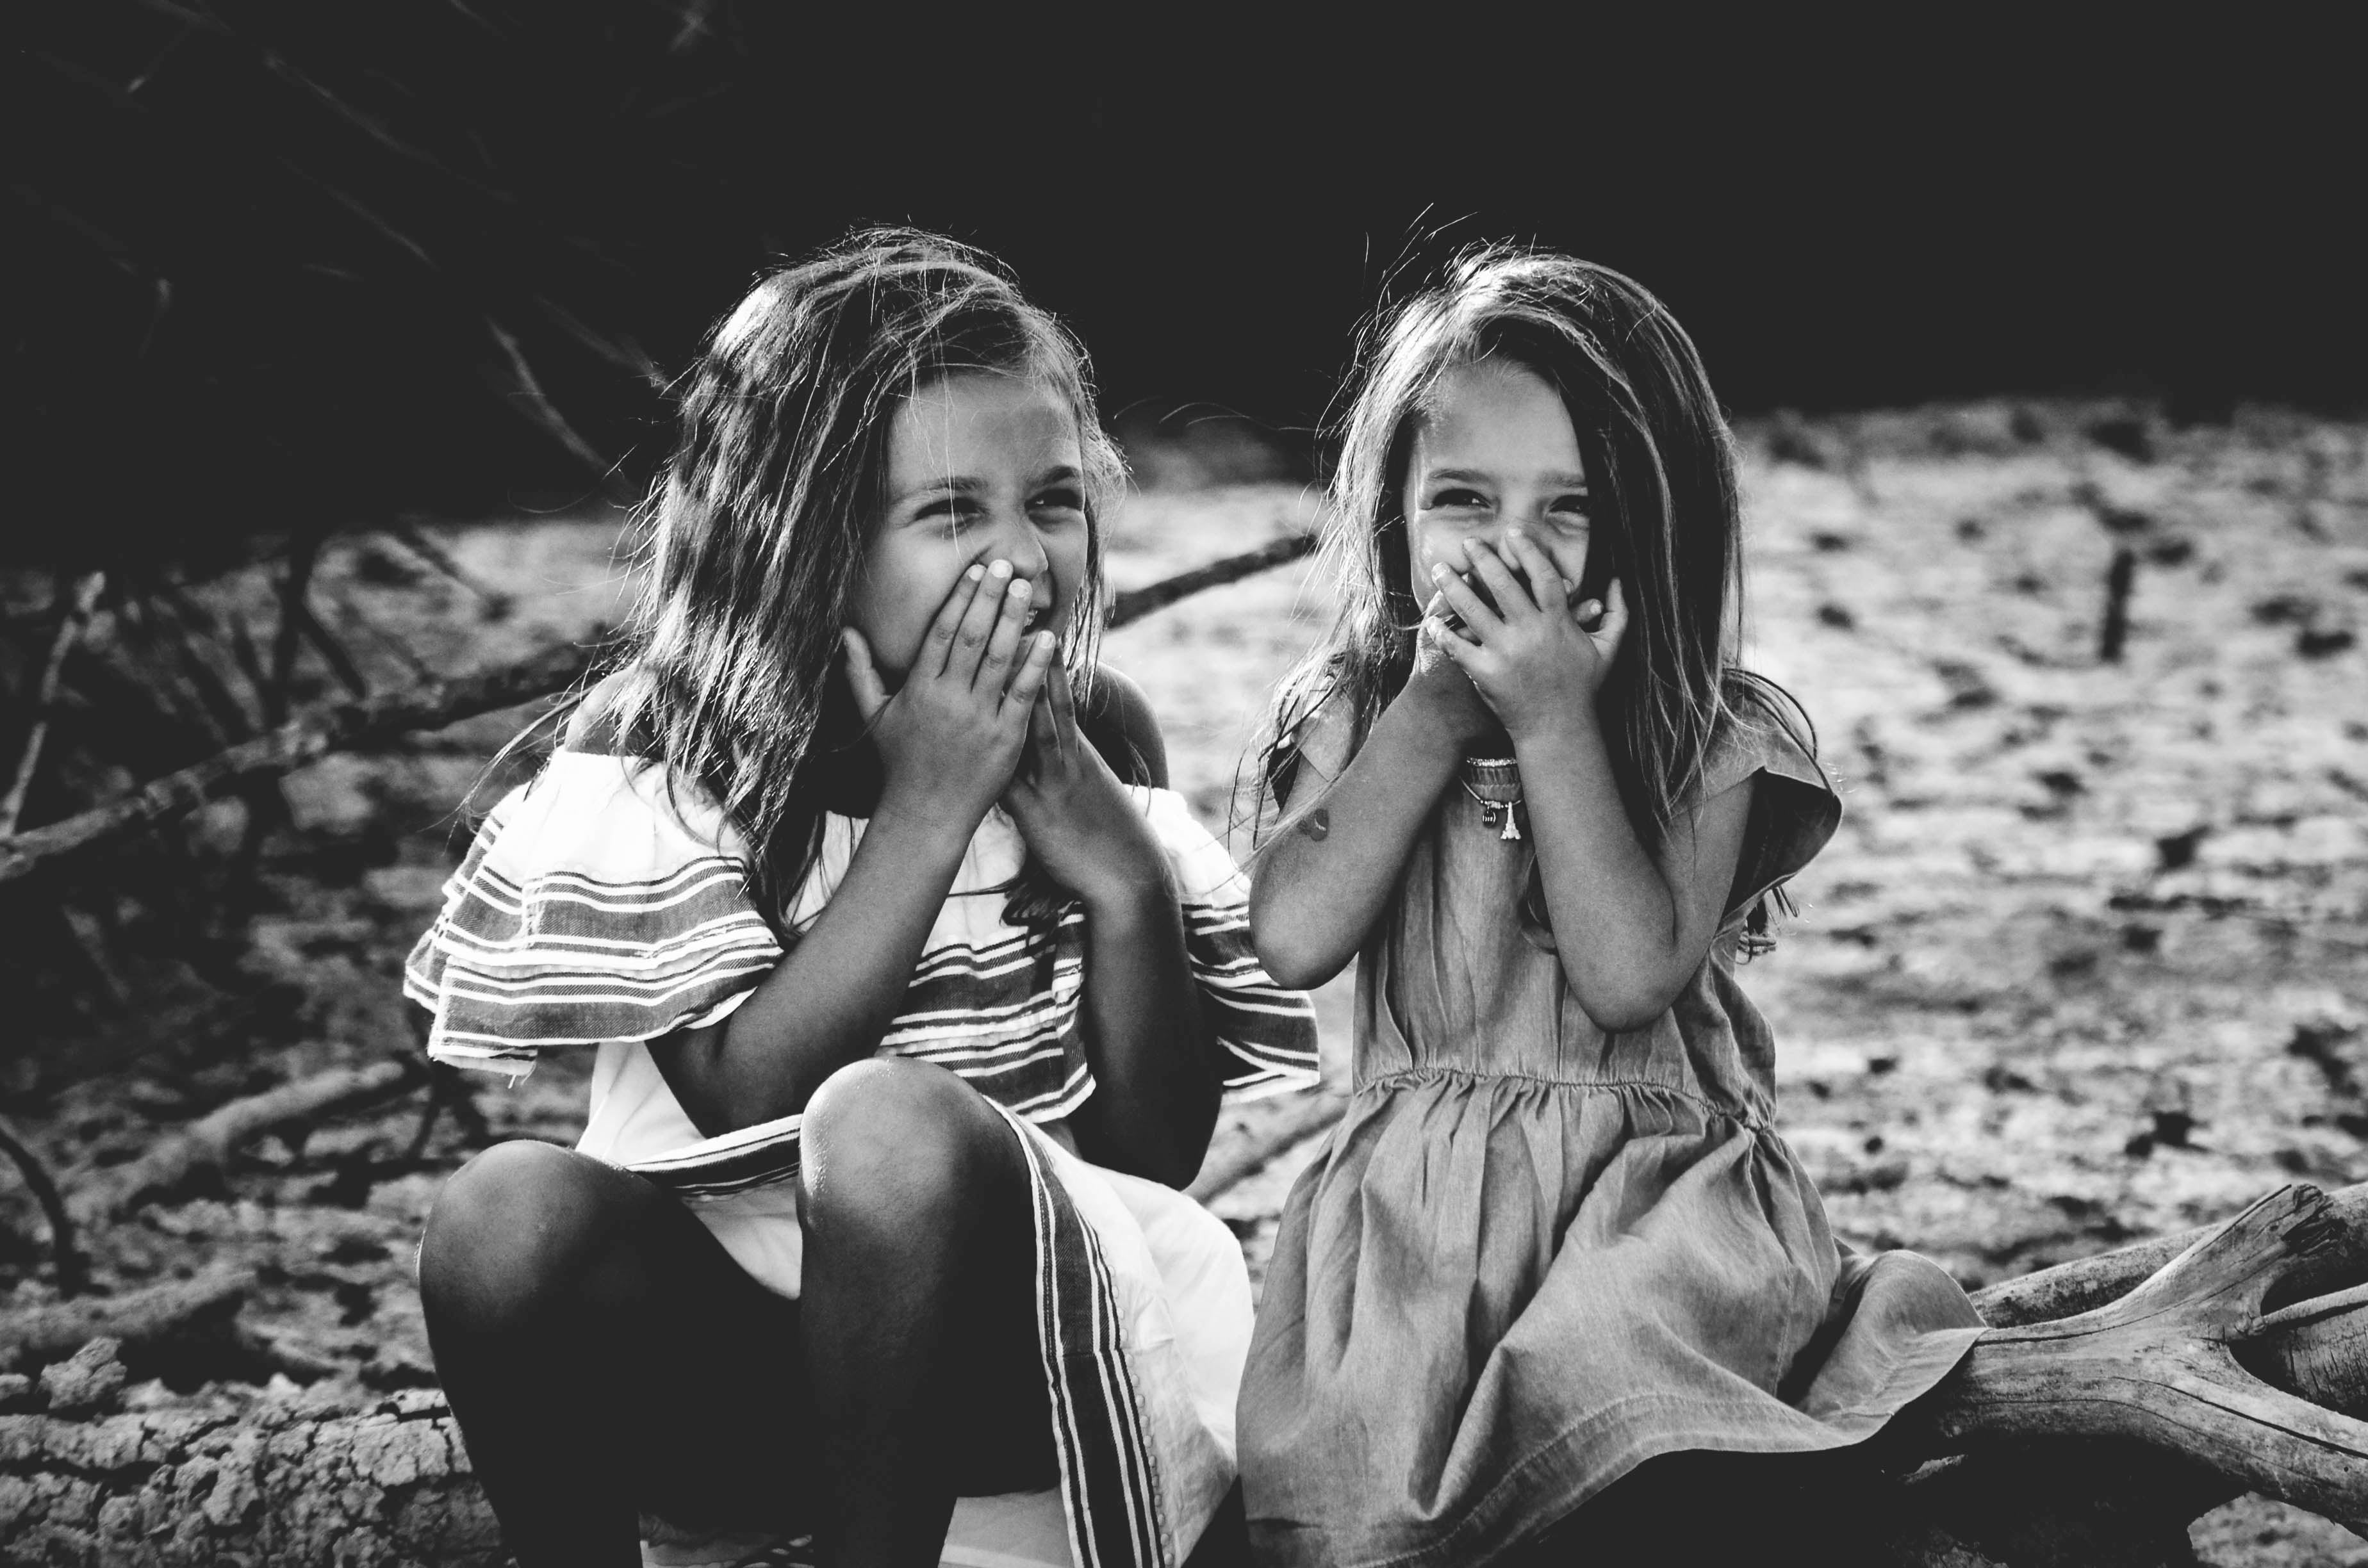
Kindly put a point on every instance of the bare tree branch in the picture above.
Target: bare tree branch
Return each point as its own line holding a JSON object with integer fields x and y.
{"x": 432, "y": 704}
{"x": 78, "y": 606}
{"x": 1137, "y": 603}
{"x": 335, "y": 727}
{"x": 73, "y": 1276}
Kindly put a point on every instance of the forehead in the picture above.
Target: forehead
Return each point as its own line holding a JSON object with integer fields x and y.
{"x": 1496, "y": 414}
{"x": 957, "y": 423}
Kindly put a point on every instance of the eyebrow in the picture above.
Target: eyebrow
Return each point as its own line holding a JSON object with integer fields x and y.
{"x": 964, "y": 484}
{"x": 961, "y": 485}
{"x": 1561, "y": 477}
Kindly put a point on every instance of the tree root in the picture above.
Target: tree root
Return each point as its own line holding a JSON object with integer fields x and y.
{"x": 140, "y": 1319}
{"x": 206, "y": 1145}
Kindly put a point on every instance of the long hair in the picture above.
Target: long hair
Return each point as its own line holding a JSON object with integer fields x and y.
{"x": 1664, "y": 512}
{"x": 756, "y": 533}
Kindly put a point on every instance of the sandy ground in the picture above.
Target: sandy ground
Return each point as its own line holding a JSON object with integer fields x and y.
{"x": 2087, "y": 962}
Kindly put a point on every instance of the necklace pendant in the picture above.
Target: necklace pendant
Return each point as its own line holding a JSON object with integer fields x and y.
{"x": 1495, "y": 785}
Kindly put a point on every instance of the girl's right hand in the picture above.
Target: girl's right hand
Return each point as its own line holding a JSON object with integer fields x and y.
{"x": 951, "y": 737}
{"x": 1452, "y": 707}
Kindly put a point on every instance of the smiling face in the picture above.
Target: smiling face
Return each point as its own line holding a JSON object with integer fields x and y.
{"x": 982, "y": 466}
{"x": 1494, "y": 448}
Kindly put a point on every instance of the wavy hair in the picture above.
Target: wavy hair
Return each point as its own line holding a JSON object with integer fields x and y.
{"x": 1665, "y": 515}
{"x": 756, "y": 533}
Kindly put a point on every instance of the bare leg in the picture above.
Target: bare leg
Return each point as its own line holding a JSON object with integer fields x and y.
{"x": 604, "y": 1354}
{"x": 919, "y": 1307}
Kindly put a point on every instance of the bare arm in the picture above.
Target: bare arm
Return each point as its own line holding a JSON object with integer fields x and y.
{"x": 1156, "y": 1062}
{"x": 950, "y": 740}
{"x": 1631, "y": 928}
{"x": 1320, "y": 887}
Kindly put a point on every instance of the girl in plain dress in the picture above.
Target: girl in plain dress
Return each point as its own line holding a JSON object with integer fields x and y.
{"x": 1526, "y": 786}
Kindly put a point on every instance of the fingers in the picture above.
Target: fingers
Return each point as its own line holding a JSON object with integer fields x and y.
{"x": 1044, "y": 738}
{"x": 1510, "y": 594}
{"x": 978, "y": 618}
{"x": 870, "y": 696}
{"x": 1614, "y": 624}
{"x": 1028, "y": 680}
{"x": 1450, "y": 640}
{"x": 1003, "y": 641}
{"x": 1547, "y": 590}
{"x": 1467, "y": 605}
{"x": 1053, "y": 724}
{"x": 936, "y": 649}
{"x": 1064, "y": 699}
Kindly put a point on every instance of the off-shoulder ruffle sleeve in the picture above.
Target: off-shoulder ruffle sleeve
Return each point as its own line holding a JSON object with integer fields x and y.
{"x": 1270, "y": 1030}
{"x": 1794, "y": 808}
{"x": 596, "y": 905}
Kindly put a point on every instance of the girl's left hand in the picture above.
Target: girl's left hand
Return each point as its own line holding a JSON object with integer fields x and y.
{"x": 1072, "y": 810}
{"x": 1532, "y": 656}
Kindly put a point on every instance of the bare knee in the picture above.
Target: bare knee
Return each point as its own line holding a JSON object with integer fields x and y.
{"x": 512, "y": 1230}
{"x": 896, "y": 1147}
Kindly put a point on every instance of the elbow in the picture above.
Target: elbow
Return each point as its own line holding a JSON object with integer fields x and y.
{"x": 1294, "y": 965}
{"x": 1291, "y": 947}
{"x": 1622, "y": 1009}
{"x": 1620, "y": 1020}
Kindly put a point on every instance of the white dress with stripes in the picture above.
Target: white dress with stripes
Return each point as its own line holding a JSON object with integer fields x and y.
{"x": 600, "y": 907}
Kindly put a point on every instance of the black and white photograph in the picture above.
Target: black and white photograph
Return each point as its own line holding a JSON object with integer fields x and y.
{"x": 800, "y": 787}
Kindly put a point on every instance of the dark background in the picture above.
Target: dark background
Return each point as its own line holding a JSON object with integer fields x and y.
{"x": 288, "y": 267}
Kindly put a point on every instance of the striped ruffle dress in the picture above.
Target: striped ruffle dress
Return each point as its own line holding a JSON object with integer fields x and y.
{"x": 604, "y": 904}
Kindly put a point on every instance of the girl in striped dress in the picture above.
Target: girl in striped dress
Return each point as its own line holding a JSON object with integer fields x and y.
{"x": 911, "y": 988}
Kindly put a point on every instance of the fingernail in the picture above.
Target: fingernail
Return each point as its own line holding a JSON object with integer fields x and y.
{"x": 1020, "y": 588}
{"x": 1000, "y": 568}
{"x": 1437, "y": 572}
{"x": 976, "y": 572}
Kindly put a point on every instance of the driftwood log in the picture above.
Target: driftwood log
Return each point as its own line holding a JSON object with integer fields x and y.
{"x": 2089, "y": 1439}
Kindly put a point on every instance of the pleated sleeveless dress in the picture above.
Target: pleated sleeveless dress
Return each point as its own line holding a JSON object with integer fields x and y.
{"x": 1535, "y": 1255}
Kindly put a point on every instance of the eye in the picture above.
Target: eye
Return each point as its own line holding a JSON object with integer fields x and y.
{"x": 955, "y": 512}
{"x": 1060, "y": 498}
{"x": 1457, "y": 498}
{"x": 1570, "y": 506}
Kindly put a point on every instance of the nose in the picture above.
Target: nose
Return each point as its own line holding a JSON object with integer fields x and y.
{"x": 1017, "y": 541}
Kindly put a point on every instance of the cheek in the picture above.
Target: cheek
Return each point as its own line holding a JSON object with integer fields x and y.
{"x": 1434, "y": 544}
{"x": 893, "y": 608}
{"x": 1064, "y": 560}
